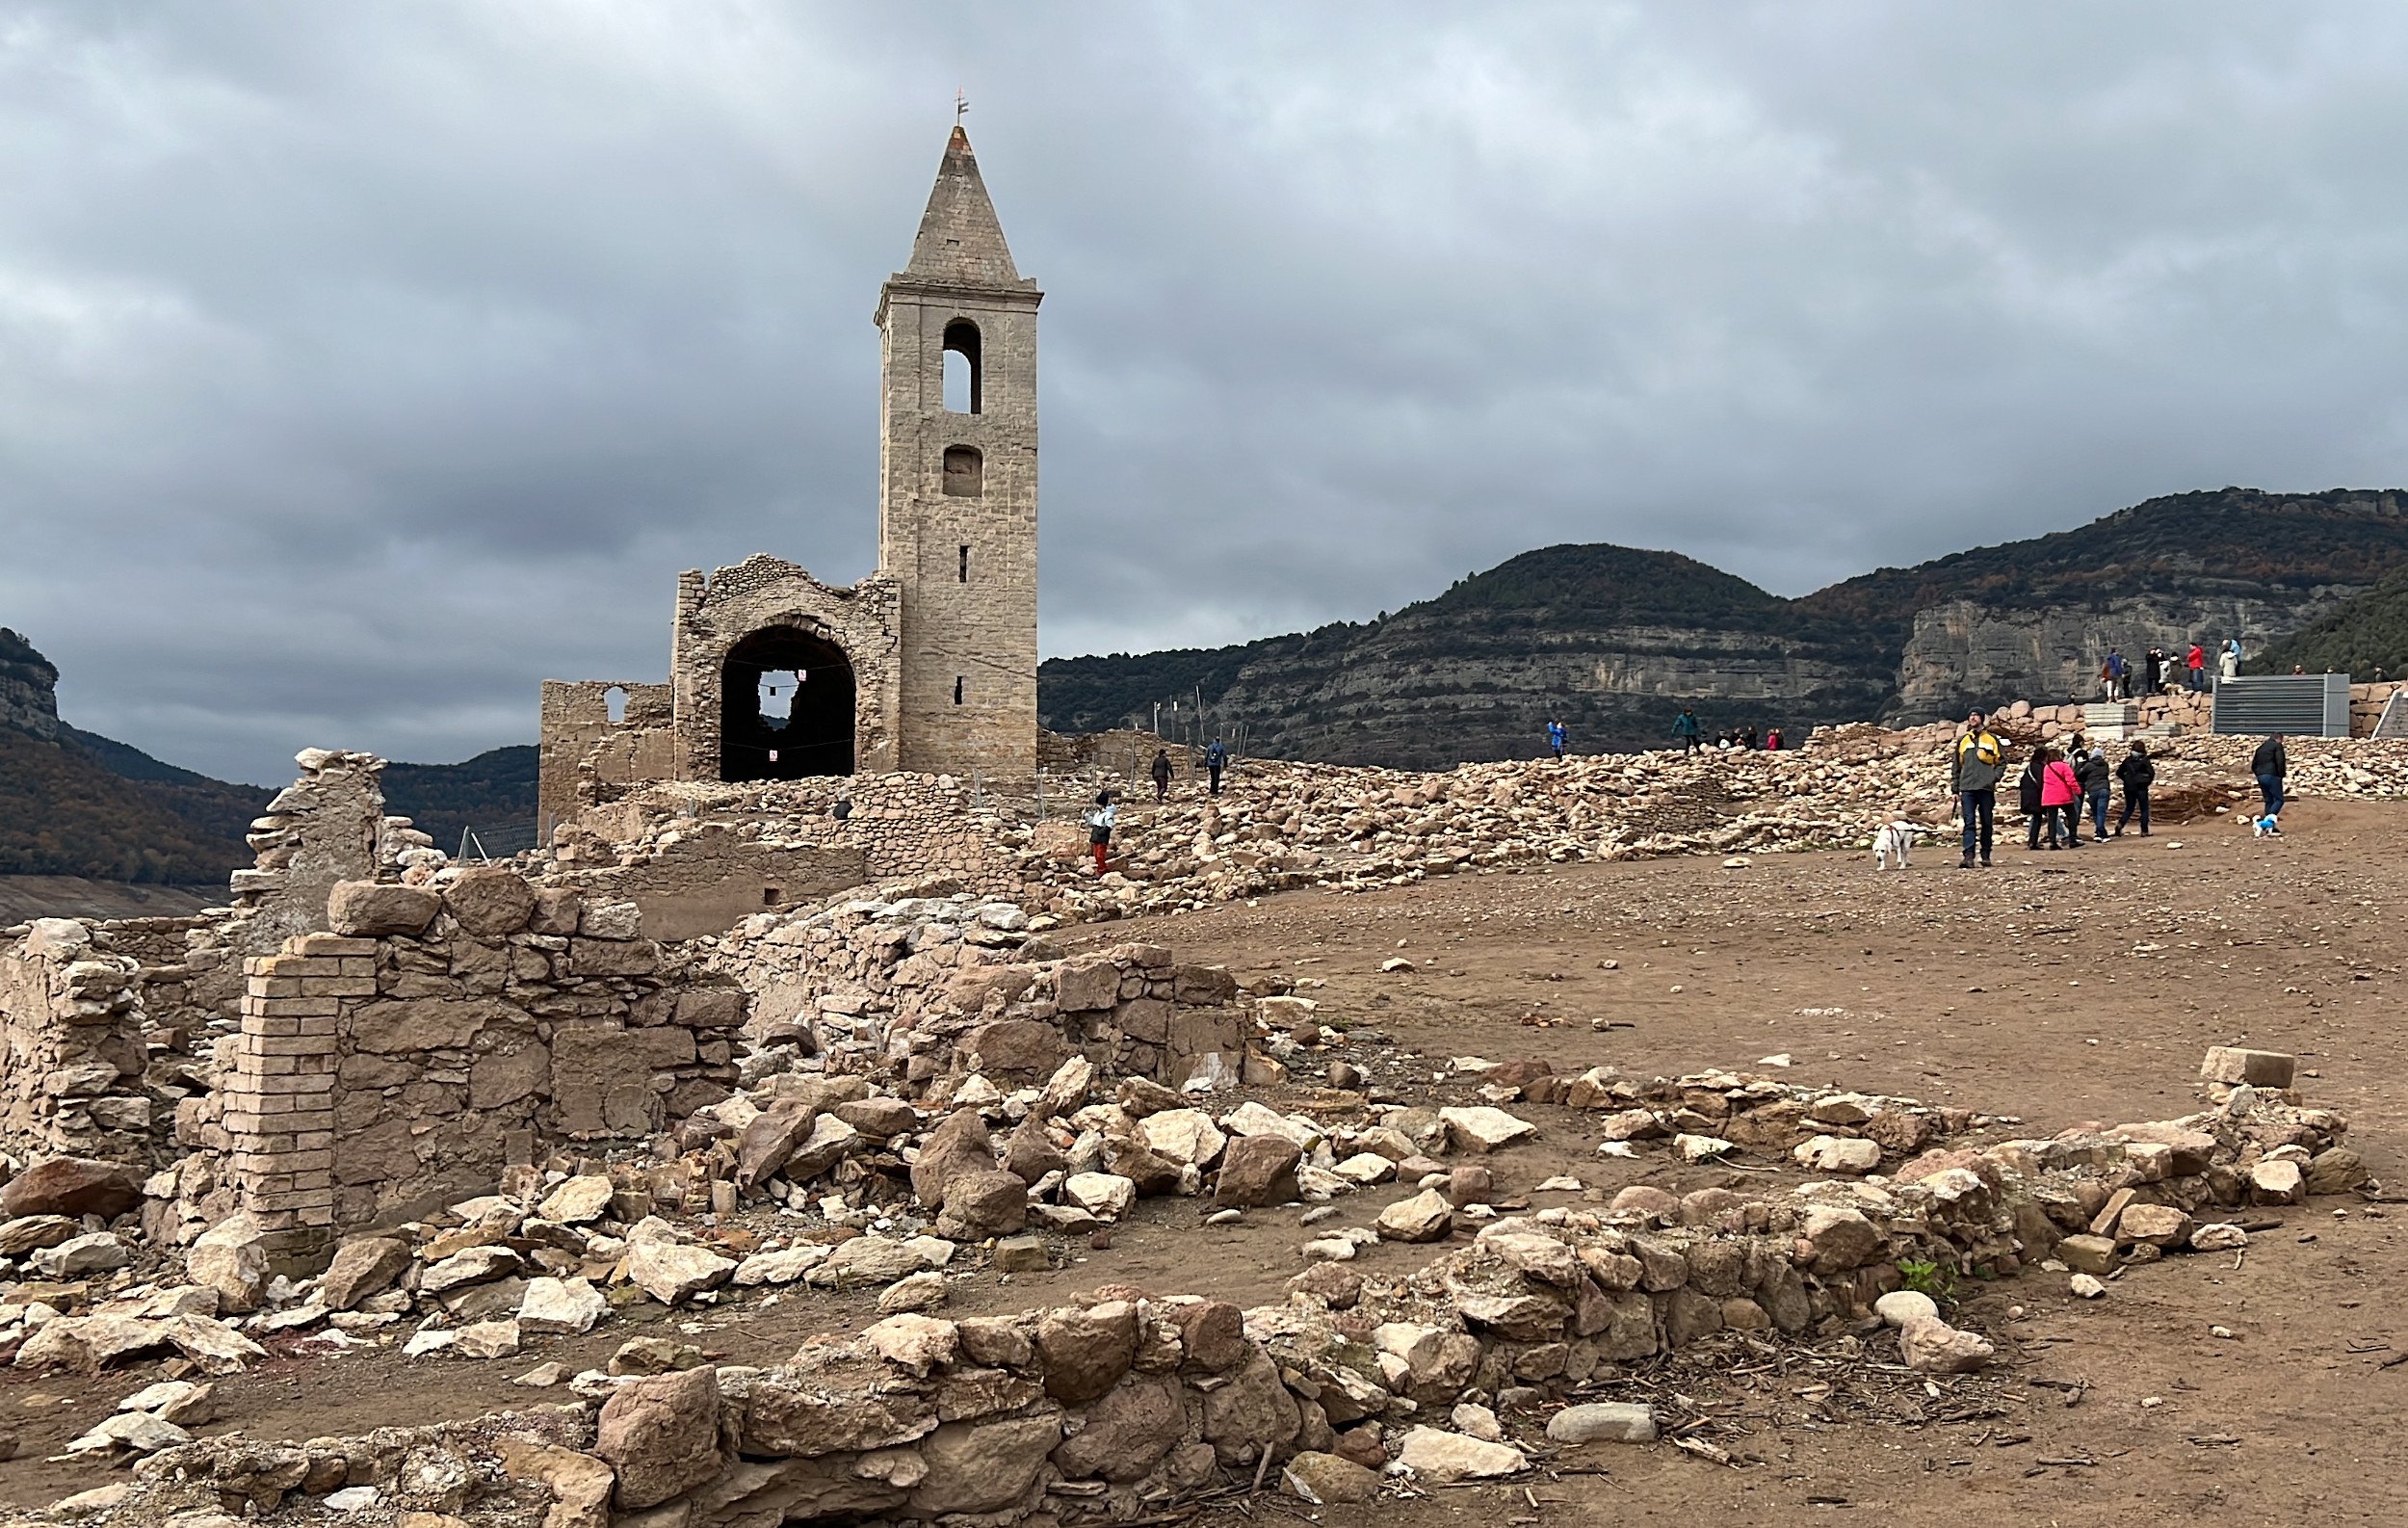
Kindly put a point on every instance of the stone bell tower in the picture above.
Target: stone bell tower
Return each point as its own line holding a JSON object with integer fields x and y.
{"x": 957, "y": 487}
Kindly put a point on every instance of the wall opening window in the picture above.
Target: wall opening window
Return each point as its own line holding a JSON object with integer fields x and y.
{"x": 963, "y": 394}
{"x": 964, "y": 472}
{"x": 786, "y": 707}
{"x": 965, "y": 565}
{"x": 956, "y": 689}
{"x": 615, "y": 703}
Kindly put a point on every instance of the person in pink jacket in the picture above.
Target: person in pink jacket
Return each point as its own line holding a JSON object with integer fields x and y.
{"x": 2061, "y": 793}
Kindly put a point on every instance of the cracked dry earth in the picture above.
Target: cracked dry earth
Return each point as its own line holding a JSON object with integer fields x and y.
{"x": 2058, "y": 988}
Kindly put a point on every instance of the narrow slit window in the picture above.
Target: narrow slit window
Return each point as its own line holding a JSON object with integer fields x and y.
{"x": 965, "y": 565}
{"x": 956, "y": 689}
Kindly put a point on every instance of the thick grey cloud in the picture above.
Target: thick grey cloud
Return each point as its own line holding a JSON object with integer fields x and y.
{"x": 361, "y": 365}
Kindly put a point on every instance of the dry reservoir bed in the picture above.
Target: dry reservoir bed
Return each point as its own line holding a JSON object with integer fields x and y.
{"x": 2057, "y": 989}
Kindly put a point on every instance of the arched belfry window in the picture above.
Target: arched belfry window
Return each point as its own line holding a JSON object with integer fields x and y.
{"x": 965, "y": 473}
{"x": 963, "y": 394}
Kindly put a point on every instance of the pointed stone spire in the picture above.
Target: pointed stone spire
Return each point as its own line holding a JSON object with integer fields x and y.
{"x": 960, "y": 242}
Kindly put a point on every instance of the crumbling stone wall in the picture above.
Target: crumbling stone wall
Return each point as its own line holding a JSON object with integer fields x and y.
{"x": 579, "y": 741}
{"x": 699, "y": 859}
{"x": 320, "y": 830}
{"x": 437, "y": 1037}
{"x": 71, "y": 1052}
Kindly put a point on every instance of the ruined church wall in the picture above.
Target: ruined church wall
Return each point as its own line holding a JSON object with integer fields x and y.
{"x": 319, "y": 830}
{"x": 716, "y": 613}
{"x": 578, "y": 740}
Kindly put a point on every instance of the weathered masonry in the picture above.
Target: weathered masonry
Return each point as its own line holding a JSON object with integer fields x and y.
{"x": 927, "y": 666}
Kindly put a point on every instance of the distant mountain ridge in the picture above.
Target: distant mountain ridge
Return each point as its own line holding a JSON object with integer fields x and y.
{"x": 1615, "y": 641}
{"x": 73, "y": 803}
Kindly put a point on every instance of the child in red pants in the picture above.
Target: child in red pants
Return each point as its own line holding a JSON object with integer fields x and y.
{"x": 1099, "y": 829}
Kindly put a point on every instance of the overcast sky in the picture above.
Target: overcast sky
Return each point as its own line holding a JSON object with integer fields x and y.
{"x": 363, "y": 364}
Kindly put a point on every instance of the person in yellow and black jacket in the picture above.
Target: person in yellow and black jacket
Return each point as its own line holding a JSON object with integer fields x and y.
{"x": 1975, "y": 769}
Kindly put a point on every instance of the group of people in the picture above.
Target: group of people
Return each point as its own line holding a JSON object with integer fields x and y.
{"x": 2056, "y": 787}
{"x": 1105, "y": 815}
{"x": 2160, "y": 670}
{"x": 1690, "y": 733}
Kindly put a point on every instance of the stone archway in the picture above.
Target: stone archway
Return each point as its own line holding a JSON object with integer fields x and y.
{"x": 814, "y": 689}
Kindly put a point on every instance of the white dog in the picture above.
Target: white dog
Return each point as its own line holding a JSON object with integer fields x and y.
{"x": 2266, "y": 827}
{"x": 1892, "y": 842}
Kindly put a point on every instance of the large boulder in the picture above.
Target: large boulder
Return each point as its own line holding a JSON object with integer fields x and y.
{"x": 370, "y": 908}
{"x": 490, "y": 900}
{"x": 1256, "y": 1170}
{"x": 959, "y": 1145}
{"x": 231, "y": 1258}
{"x": 983, "y": 1466}
{"x": 1087, "y": 1351}
{"x": 662, "y": 1436}
{"x": 979, "y": 1205}
{"x": 673, "y": 1271}
{"x": 367, "y": 1266}
{"x": 1127, "y": 1432}
{"x": 74, "y": 1186}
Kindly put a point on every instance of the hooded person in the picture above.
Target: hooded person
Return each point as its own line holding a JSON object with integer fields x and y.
{"x": 2138, "y": 772}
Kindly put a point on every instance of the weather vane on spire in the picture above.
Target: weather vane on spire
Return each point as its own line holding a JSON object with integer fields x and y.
{"x": 961, "y": 107}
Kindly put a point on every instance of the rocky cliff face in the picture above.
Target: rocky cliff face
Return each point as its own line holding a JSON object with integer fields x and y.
{"x": 1970, "y": 652}
{"x": 1614, "y": 642}
{"x": 28, "y": 688}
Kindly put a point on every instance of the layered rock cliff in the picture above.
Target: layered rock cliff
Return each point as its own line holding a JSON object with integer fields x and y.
{"x": 29, "y": 686}
{"x": 1616, "y": 642}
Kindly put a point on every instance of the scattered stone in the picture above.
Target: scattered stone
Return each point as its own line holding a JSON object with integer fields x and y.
{"x": 1258, "y": 1170}
{"x": 1604, "y": 1422}
{"x": 1839, "y": 1154}
{"x": 361, "y": 1269}
{"x": 780, "y": 1267}
{"x": 2277, "y": 1181}
{"x": 1932, "y": 1346}
{"x": 2220, "y": 1237}
{"x": 2087, "y": 1287}
{"x": 1440, "y": 1457}
{"x": 1106, "y": 1195}
{"x": 671, "y": 1272}
{"x": 578, "y": 1200}
{"x": 487, "y": 1339}
{"x": 1326, "y": 1480}
{"x": 2087, "y": 1254}
{"x": 1484, "y": 1129}
{"x": 921, "y": 1291}
{"x": 1426, "y": 1217}
{"x": 1021, "y": 1255}
{"x": 2260, "y": 1069}
{"x": 1900, "y": 1306}
{"x": 561, "y": 1306}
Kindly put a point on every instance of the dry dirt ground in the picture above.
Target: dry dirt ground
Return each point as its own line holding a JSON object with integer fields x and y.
{"x": 2058, "y": 988}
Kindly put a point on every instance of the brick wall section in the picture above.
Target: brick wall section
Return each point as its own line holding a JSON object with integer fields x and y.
{"x": 279, "y": 1094}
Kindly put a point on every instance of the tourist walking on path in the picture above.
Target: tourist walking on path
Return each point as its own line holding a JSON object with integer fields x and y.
{"x": 2027, "y": 798}
{"x": 1099, "y": 829}
{"x": 1974, "y": 773}
{"x": 1685, "y": 726}
{"x": 2097, "y": 775}
{"x": 2198, "y": 666}
{"x": 2138, "y": 771}
{"x": 2060, "y": 792}
{"x": 1557, "y": 736}
{"x": 1215, "y": 760}
{"x": 2272, "y": 764}
{"x": 1161, "y": 773}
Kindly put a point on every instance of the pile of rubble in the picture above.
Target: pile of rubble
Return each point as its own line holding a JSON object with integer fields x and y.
{"x": 1128, "y": 1402}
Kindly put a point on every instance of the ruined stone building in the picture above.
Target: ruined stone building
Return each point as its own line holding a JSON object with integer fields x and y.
{"x": 928, "y": 665}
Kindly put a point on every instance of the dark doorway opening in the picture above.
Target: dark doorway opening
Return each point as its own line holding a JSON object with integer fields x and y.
{"x": 786, "y": 707}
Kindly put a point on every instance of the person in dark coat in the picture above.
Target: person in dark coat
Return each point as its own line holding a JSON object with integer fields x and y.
{"x": 1161, "y": 773}
{"x": 2097, "y": 775}
{"x": 2272, "y": 765}
{"x": 1215, "y": 760}
{"x": 2027, "y": 798}
{"x": 2138, "y": 772}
